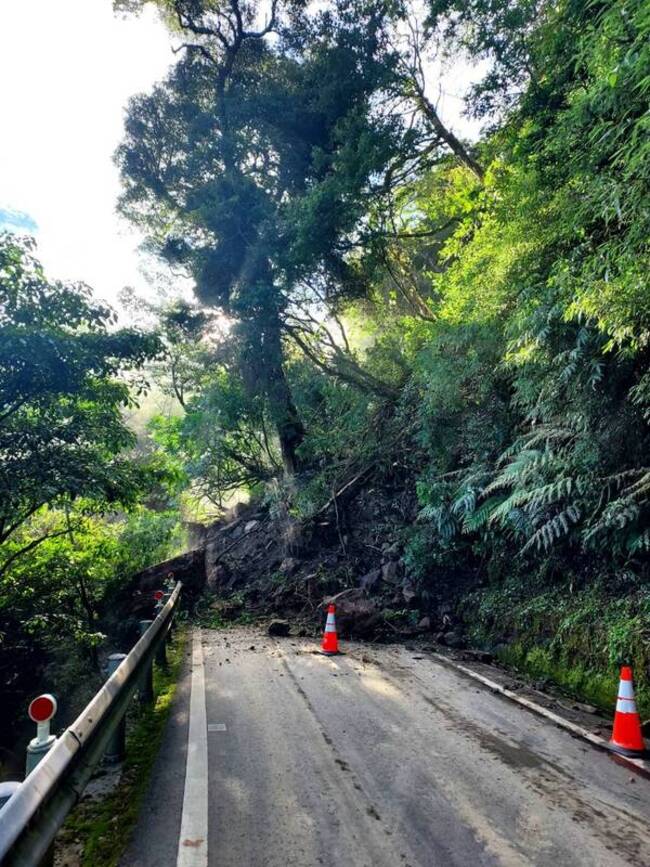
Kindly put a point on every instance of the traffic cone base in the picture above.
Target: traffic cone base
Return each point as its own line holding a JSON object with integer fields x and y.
{"x": 630, "y": 754}
{"x": 330, "y": 643}
{"x": 627, "y": 737}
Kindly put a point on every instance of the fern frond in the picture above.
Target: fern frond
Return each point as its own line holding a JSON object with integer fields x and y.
{"x": 447, "y": 528}
{"x": 465, "y": 503}
{"x": 430, "y": 513}
{"x": 552, "y": 530}
{"x": 546, "y": 495}
{"x": 480, "y": 517}
{"x": 529, "y": 462}
{"x": 639, "y": 542}
{"x": 618, "y": 515}
{"x": 546, "y": 434}
{"x": 501, "y": 513}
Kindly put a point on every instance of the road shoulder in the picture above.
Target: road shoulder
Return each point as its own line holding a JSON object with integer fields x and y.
{"x": 162, "y": 806}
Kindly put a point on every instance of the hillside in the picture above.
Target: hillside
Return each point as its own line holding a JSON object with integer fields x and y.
{"x": 421, "y": 360}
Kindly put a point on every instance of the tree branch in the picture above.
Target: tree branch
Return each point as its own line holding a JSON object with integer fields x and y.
{"x": 353, "y": 375}
{"x": 455, "y": 145}
{"x": 30, "y": 547}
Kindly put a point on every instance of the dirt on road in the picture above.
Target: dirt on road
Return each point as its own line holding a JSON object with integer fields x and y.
{"x": 381, "y": 756}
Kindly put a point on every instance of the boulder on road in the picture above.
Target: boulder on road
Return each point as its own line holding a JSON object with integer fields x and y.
{"x": 356, "y": 615}
{"x": 453, "y": 639}
{"x": 478, "y": 656}
{"x": 279, "y": 628}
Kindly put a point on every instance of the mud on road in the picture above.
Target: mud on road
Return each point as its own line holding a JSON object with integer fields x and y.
{"x": 381, "y": 756}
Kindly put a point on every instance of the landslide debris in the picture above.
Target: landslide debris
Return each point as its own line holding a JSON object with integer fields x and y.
{"x": 258, "y": 564}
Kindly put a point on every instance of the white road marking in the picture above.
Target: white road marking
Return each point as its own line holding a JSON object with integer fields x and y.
{"x": 217, "y": 727}
{"x": 193, "y": 842}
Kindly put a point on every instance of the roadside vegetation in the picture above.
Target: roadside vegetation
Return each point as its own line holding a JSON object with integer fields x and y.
{"x": 100, "y": 827}
{"x": 377, "y": 302}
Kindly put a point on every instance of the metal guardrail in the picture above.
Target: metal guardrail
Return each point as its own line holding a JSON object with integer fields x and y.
{"x": 30, "y": 820}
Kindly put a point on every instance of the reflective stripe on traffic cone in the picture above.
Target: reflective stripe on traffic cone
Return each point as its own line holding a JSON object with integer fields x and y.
{"x": 330, "y": 645}
{"x": 627, "y": 738}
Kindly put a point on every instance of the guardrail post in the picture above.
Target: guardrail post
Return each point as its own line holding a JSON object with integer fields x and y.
{"x": 161, "y": 655}
{"x": 41, "y": 710}
{"x": 168, "y": 586}
{"x": 116, "y": 749}
{"x": 145, "y": 692}
{"x": 170, "y": 628}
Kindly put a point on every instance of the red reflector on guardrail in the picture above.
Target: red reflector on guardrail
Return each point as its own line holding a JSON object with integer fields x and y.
{"x": 42, "y": 708}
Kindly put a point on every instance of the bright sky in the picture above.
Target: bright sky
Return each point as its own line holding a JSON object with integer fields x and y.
{"x": 67, "y": 69}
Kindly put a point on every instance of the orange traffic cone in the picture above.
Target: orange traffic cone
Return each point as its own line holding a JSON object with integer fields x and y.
{"x": 330, "y": 645}
{"x": 627, "y": 738}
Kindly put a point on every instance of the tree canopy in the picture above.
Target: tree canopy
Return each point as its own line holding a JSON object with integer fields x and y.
{"x": 255, "y": 165}
{"x": 62, "y": 392}
{"x": 294, "y": 162}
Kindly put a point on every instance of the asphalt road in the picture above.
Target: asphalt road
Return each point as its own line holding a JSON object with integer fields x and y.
{"x": 373, "y": 759}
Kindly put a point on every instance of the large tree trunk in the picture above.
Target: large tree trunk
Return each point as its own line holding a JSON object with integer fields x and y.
{"x": 283, "y": 410}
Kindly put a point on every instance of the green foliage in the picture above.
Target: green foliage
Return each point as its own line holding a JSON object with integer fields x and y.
{"x": 72, "y": 527}
{"x": 57, "y": 599}
{"x": 224, "y": 441}
{"x": 271, "y": 148}
{"x": 61, "y": 393}
{"x": 62, "y": 586}
{"x": 389, "y": 308}
{"x": 537, "y": 430}
{"x": 480, "y": 331}
{"x": 578, "y": 637}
